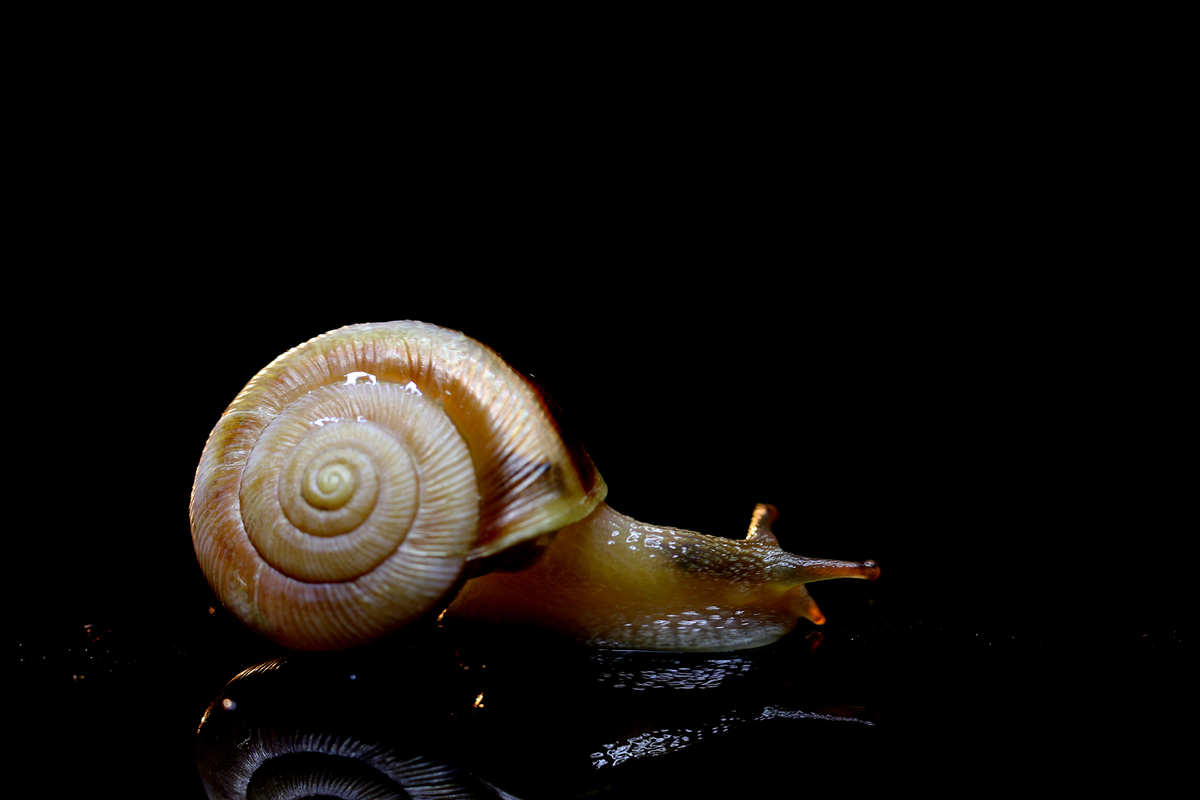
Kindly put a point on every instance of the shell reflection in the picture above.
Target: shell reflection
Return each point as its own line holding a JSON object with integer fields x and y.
{"x": 293, "y": 728}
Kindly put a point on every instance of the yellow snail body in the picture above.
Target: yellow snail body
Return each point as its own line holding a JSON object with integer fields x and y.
{"x": 357, "y": 481}
{"x": 612, "y": 581}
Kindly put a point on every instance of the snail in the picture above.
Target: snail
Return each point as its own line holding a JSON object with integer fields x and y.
{"x": 368, "y": 477}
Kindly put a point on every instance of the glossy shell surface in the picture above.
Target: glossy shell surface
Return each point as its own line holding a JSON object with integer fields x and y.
{"x": 342, "y": 491}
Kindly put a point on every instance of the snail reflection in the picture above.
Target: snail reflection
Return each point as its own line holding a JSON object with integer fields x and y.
{"x": 373, "y": 476}
{"x": 447, "y": 720}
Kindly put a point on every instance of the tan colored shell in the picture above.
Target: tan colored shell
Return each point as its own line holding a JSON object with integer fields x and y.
{"x": 342, "y": 491}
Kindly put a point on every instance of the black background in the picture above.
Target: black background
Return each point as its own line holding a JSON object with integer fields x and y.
{"x": 931, "y": 335}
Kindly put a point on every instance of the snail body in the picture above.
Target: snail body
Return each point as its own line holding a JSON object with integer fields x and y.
{"x": 359, "y": 479}
{"x": 612, "y": 581}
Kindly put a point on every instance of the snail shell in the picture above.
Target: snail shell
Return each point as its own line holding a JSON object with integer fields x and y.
{"x": 342, "y": 492}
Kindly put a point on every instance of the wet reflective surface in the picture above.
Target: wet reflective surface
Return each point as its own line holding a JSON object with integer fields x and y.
{"x": 856, "y": 709}
{"x": 549, "y": 724}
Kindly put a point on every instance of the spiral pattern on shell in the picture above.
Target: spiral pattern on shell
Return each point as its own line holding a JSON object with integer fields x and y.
{"x": 348, "y": 475}
{"x": 341, "y": 493}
